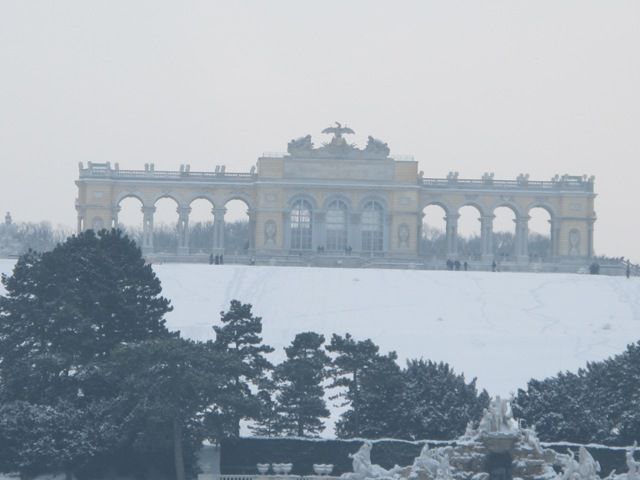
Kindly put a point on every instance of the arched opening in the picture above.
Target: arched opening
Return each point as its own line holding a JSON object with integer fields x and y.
{"x": 469, "y": 231}
{"x": 301, "y": 228}
{"x": 433, "y": 238}
{"x": 236, "y": 229}
{"x": 201, "y": 226}
{"x": 372, "y": 227}
{"x": 539, "y": 238}
{"x": 504, "y": 234}
{"x": 130, "y": 218}
{"x": 165, "y": 224}
{"x": 337, "y": 224}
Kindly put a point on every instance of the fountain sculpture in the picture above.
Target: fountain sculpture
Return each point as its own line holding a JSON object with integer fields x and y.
{"x": 497, "y": 449}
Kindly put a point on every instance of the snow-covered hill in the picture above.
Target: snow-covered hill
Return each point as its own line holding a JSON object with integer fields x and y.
{"x": 503, "y": 328}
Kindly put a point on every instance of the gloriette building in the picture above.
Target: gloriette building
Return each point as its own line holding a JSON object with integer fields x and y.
{"x": 340, "y": 201}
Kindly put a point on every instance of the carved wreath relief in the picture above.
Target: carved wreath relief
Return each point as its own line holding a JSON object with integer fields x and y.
{"x": 403, "y": 235}
{"x": 574, "y": 242}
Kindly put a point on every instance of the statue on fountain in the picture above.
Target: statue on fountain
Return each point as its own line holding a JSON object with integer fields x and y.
{"x": 364, "y": 469}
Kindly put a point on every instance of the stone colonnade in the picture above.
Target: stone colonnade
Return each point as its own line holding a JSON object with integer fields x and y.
{"x": 365, "y": 206}
{"x": 521, "y": 247}
{"x": 182, "y": 228}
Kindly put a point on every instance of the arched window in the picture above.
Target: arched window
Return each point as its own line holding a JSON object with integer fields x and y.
{"x": 300, "y": 222}
{"x": 372, "y": 227}
{"x": 336, "y": 222}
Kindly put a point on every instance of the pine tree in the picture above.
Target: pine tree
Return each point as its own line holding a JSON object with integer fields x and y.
{"x": 381, "y": 386}
{"x": 266, "y": 422}
{"x": 239, "y": 336}
{"x": 599, "y": 403}
{"x": 164, "y": 388}
{"x": 69, "y": 307}
{"x": 352, "y": 358}
{"x": 437, "y": 403}
{"x": 64, "y": 313}
{"x": 300, "y": 401}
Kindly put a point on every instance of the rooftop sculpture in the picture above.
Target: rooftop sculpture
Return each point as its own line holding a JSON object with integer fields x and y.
{"x": 338, "y": 146}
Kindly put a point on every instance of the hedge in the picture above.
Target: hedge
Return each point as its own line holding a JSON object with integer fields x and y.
{"x": 239, "y": 456}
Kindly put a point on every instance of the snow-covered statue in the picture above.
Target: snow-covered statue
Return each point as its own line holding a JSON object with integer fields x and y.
{"x": 531, "y": 439}
{"x": 431, "y": 465}
{"x": 632, "y": 464}
{"x": 570, "y": 466}
{"x": 587, "y": 465}
{"x": 363, "y": 468}
{"x": 298, "y": 145}
{"x": 585, "y": 468}
{"x": 498, "y": 418}
{"x": 377, "y": 147}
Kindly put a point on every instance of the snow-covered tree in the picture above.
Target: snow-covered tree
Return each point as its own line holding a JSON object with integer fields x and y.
{"x": 239, "y": 336}
{"x": 68, "y": 308}
{"x": 164, "y": 388}
{"x": 380, "y": 393}
{"x": 300, "y": 399}
{"x": 352, "y": 358}
{"x": 436, "y": 402}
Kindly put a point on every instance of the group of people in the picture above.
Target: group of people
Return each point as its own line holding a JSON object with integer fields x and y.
{"x": 216, "y": 260}
{"x": 456, "y": 265}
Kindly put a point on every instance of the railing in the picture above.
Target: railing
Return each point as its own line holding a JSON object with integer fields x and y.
{"x": 564, "y": 183}
{"x": 451, "y": 182}
{"x": 269, "y": 476}
{"x": 105, "y": 171}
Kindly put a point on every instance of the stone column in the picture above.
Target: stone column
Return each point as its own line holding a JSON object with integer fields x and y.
{"x": 387, "y": 239}
{"x": 218, "y": 230}
{"x": 113, "y": 223}
{"x": 554, "y": 239}
{"x": 286, "y": 231}
{"x": 354, "y": 235}
{"x": 147, "y": 229}
{"x": 452, "y": 235}
{"x": 590, "y": 223}
{"x": 183, "y": 230}
{"x": 486, "y": 237}
{"x": 252, "y": 231}
{"x": 81, "y": 214}
{"x": 522, "y": 239}
{"x": 318, "y": 230}
{"x": 419, "y": 231}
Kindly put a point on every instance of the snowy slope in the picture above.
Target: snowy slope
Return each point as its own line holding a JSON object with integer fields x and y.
{"x": 503, "y": 328}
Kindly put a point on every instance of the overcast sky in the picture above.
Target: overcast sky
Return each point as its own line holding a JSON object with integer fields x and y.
{"x": 538, "y": 87}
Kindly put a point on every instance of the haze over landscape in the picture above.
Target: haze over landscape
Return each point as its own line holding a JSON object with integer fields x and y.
{"x": 505, "y": 87}
{"x": 504, "y": 329}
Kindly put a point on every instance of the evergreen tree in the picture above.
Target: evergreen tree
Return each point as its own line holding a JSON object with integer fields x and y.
{"x": 69, "y": 307}
{"x": 436, "y": 402}
{"x": 300, "y": 401}
{"x": 598, "y": 403}
{"x": 64, "y": 313}
{"x": 164, "y": 388}
{"x": 381, "y": 386}
{"x": 239, "y": 336}
{"x": 351, "y": 359}
{"x": 40, "y": 439}
{"x": 267, "y": 421}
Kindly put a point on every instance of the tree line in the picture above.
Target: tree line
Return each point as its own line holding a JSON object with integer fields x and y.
{"x": 434, "y": 244}
{"x": 91, "y": 379}
{"x": 599, "y": 403}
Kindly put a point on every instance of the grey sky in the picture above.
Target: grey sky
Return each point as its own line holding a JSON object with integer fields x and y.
{"x": 539, "y": 87}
